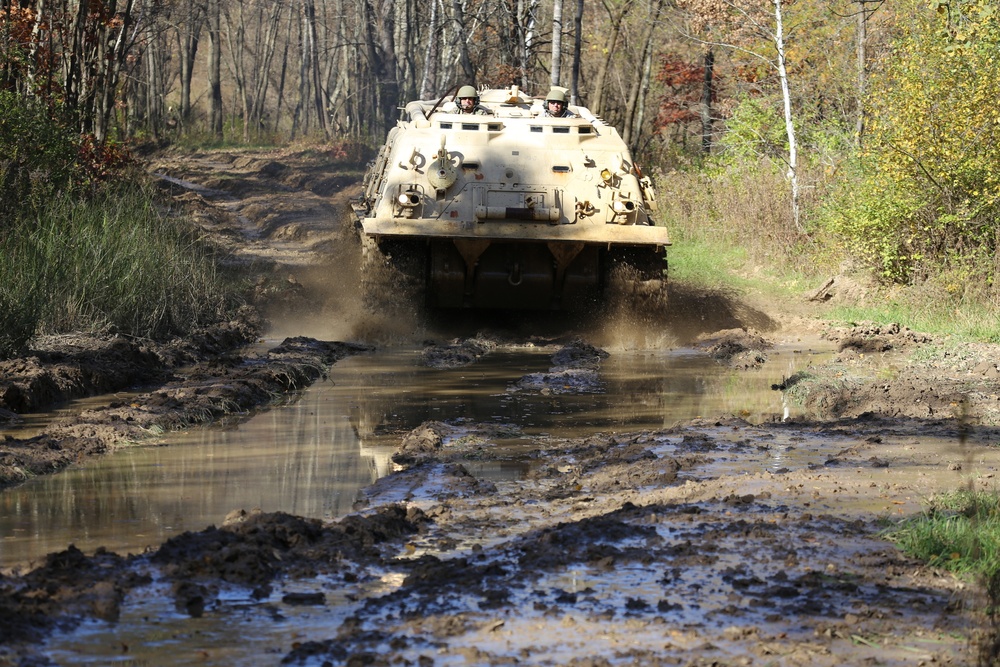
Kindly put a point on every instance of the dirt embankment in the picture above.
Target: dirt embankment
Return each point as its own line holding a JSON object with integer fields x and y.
{"x": 709, "y": 542}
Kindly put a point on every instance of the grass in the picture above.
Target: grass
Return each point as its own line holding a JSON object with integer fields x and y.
{"x": 968, "y": 320}
{"x": 113, "y": 263}
{"x": 732, "y": 231}
{"x": 958, "y": 532}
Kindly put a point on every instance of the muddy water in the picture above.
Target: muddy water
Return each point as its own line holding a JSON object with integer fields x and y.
{"x": 311, "y": 456}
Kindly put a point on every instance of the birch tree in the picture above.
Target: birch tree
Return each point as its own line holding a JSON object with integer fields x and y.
{"x": 432, "y": 53}
{"x": 557, "y": 29}
{"x": 527, "y": 20}
{"x": 747, "y": 22}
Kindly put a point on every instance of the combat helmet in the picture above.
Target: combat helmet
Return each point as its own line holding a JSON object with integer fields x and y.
{"x": 556, "y": 95}
{"x": 467, "y": 91}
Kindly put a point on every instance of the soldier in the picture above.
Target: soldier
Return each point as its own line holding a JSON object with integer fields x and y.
{"x": 468, "y": 102}
{"x": 555, "y": 104}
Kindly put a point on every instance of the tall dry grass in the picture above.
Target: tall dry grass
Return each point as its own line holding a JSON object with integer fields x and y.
{"x": 733, "y": 225}
{"x": 110, "y": 263}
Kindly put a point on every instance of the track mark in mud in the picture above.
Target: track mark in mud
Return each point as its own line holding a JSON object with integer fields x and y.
{"x": 661, "y": 534}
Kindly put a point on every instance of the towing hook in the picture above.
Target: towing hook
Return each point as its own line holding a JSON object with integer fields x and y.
{"x": 514, "y": 277}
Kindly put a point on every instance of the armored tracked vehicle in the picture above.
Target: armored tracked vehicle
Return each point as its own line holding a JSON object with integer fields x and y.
{"x": 509, "y": 208}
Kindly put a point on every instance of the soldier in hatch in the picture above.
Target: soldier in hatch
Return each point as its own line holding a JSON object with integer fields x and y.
{"x": 555, "y": 104}
{"x": 468, "y": 102}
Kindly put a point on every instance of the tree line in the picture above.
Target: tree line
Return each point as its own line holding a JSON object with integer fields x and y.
{"x": 246, "y": 68}
{"x": 877, "y": 113}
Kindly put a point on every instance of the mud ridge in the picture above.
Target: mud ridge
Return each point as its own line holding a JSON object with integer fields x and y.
{"x": 227, "y": 387}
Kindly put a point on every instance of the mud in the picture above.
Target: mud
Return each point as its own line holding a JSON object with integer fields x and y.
{"x": 226, "y": 386}
{"x": 711, "y": 542}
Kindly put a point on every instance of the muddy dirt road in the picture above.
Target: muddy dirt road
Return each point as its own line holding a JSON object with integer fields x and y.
{"x": 711, "y": 542}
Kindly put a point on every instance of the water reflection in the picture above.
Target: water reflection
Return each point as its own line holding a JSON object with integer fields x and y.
{"x": 310, "y": 457}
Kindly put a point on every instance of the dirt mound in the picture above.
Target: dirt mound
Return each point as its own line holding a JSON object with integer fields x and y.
{"x": 71, "y": 587}
{"x": 460, "y": 353}
{"x": 877, "y": 373}
{"x": 61, "y": 368}
{"x": 872, "y": 338}
{"x": 739, "y": 348}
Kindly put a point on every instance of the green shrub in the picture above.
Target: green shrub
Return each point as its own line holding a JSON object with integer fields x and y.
{"x": 38, "y": 153}
{"x": 925, "y": 194}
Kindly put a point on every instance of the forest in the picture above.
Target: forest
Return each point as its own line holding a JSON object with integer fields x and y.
{"x": 813, "y": 132}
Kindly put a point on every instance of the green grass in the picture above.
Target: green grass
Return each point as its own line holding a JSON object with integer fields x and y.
{"x": 113, "y": 263}
{"x": 959, "y": 532}
{"x": 708, "y": 263}
{"x": 731, "y": 231}
{"x": 967, "y": 321}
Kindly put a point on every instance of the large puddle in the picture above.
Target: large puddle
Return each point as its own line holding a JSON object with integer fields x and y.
{"x": 311, "y": 456}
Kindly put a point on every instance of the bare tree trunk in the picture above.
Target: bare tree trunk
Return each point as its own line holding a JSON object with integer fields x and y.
{"x": 407, "y": 35}
{"x": 153, "y": 58}
{"x": 458, "y": 17}
{"x": 215, "y": 68}
{"x": 527, "y": 20}
{"x": 188, "y": 33}
{"x": 312, "y": 55}
{"x": 92, "y": 73}
{"x": 7, "y": 76}
{"x": 557, "y": 28}
{"x": 577, "y": 52}
{"x": 108, "y": 94}
{"x": 428, "y": 83}
{"x": 339, "y": 107}
{"x": 74, "y": 75}
{"x": 508, "y": 34}
{"x": 284, "y": 70}
{"x": 265, "y": 59}
{"x": 358, "y": 110}
{"x": 382, "y": 59}
{"x": 635, "y": 111}
{"x": 613, "y": 31}
{"x": 707, "y": 97}
{"x": 236, "y": 37}
{"x": 302, "y": 106}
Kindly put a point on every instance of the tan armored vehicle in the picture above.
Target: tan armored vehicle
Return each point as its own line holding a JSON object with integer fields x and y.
{"x": 510, "y": 208}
